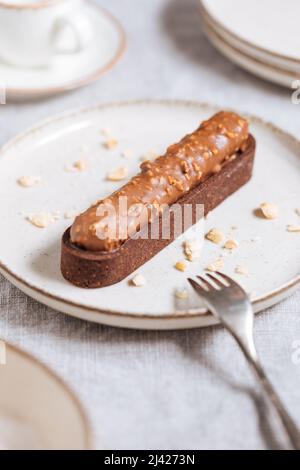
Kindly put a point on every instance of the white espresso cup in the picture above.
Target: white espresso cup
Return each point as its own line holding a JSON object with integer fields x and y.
{"x": 32, "y": 32}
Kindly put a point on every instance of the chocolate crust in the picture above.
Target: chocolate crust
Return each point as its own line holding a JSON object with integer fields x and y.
{"x": 90, "y": 269}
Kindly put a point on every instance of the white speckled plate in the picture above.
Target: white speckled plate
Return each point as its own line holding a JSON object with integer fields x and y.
{"x": 29, "y": 257}
{"x": 37, "y": 410}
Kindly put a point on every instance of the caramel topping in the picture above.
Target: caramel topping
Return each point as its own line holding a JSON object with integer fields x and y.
{"x": 166, "y": 179}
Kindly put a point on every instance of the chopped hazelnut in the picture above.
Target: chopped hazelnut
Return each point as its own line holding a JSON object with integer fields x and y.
{"x": 181, "y": 266}
{"x": 192, "y": 249}
{"x": 80, "y": 165}
{"x": 118, "y": 175}
{"x": 28, "y": 181}
{"x": 215, "y": 236}
{"x": 138, "y": 280}
{"x": 111, "y": 144}
{"x": 181, "y": 294}
{"x": 216, "y": 265}
{"x": 231, "y": 245}
{"x": 242, "y": 270}
{"x": 270, "y": 211}
{"x": 41, "y": 220}
{"x": 293, "y": 228}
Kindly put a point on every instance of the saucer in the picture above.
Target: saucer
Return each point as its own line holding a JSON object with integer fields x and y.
{"x": 68, "y": 72}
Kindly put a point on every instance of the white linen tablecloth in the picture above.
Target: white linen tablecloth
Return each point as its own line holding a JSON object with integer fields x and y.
{"x": 164, "y": 390}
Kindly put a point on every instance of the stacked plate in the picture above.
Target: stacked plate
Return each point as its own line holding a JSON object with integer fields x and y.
{"x": 262, "y": 36}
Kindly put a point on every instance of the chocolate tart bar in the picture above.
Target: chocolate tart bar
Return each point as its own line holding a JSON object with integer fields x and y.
{"x": 91, "y": 269}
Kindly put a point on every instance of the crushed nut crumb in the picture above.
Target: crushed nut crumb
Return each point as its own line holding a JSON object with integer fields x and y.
{"x": 242, "y": 270}
{"x": 192, "y": 249}
{"x": 118, "y": 175}
{"x": 215, "y": 235}
{"x": 216, "y": 265}
{"x": 111, "y": 144}
{"x": 181, "y": 266}
{"x": 138, "y": 280}
{"x": 293, "y": 228}
{"x": 41, "y": 220}
{"x": 297, "y": 211}
{"x": 231, "y": 245}
{"x": 80, "y": 165}
{"x": 181, "y": 294}
{"x": 29, "y": 181}
{"x": 269, "y": 211}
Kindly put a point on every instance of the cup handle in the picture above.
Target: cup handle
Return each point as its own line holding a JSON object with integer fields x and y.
{"x": 71, "y": 35}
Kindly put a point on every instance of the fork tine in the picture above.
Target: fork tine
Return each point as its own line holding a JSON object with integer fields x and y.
{"x": 205, "y": 282}
{"x": 197, "y": 288}
{"x": 216, "y": 280}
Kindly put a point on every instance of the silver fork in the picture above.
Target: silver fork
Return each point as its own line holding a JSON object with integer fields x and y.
{"x": 229, "y": 303}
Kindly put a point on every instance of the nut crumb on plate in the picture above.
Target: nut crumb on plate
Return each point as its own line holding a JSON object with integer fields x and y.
{"x": 270, "y": 211}
{"x": 297, "y": 211}
{"x": 138, "y": 280}
{"x": 80, "y": 165}
{"x": 111, "y": 144}
{"x": 242, "y": 270}
{"x": 293, "y": 228}
{"x": 28, "y": 181}
{"x": 118, "y": 175}
{"x": 41, "y": 219}
{"x": 181, "y": 266}
{"x": 215, "y": 266}
{"x": 192, "y": 249}
{"x": 181, "y": 294}
{"x": 215, "y": 236}
{"x": 231, "y": 245}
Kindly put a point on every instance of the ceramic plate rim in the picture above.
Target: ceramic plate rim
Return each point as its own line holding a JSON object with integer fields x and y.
{"x": 242, "y": 48}
{"x": 189, "y": 314}
{"x": 85, "y": 80}
{"x": 285, "y": 75}
{"x": 238, "y": 38}
{"x": 32, "y": 358}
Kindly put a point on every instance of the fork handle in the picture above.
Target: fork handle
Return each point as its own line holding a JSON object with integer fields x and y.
{"x": 287, "y": 421}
